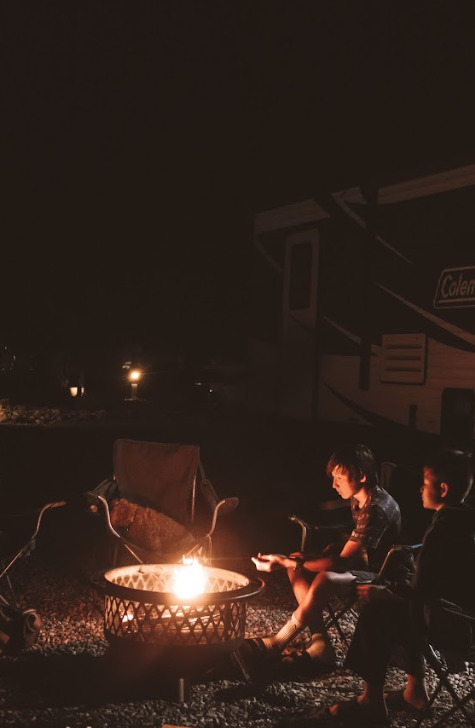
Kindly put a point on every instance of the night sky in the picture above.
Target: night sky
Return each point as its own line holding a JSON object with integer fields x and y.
{"x": 139, "y": 139}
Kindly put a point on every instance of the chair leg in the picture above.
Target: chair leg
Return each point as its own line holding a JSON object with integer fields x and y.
{"x": 12, "y": 591}
{"x": 429, "y": 705}
{"x": 444, "y": 682}
{"x": 332, "y": 621}
{"x": 113, "y": 554}
{"x": 335, "y": 615}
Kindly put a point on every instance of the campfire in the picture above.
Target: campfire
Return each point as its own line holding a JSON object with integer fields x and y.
{"x": 180, "y": 607}
{"x": 189, "y": 581}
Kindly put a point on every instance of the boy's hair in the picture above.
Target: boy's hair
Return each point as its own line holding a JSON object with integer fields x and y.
{"x": 357, "y": 461}
{"x": 453, "y": 467}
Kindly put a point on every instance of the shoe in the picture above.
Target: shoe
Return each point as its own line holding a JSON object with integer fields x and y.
{"x": 256, "y": 661}
{"x": 301, "y": 664}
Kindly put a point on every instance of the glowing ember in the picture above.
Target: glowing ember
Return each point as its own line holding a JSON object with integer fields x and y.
{"x": 189, "y": 579}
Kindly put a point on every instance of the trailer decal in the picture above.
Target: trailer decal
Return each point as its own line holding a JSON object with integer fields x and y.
{"x": 455, "y": 331}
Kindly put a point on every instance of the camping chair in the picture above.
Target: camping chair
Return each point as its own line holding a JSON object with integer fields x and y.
{"x": 450, "y": 647}
{"x": 165, "y": 488}
{"x": 19, "y": 627}
{"x": 7, "y": 561}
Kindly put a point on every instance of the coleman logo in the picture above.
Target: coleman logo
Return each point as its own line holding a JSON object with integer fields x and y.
{"x": 456, "y": 288}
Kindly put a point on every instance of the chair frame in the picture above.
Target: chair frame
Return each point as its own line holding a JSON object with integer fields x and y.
{"x": 435, "y": 659}
{"x": 203, "y": 543}
{"x": 26, "y": 549}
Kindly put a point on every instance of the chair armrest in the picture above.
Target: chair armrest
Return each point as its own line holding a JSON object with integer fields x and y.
{"x": 450, "y": 628}
{"x": 451, "y": 608}
{"x": 31, "y": 541}
{"x": 392, "y": 556}
{"x": 316, "y": 528}
{"x": 112, "y": 531}
{"x": 227, "y": 505}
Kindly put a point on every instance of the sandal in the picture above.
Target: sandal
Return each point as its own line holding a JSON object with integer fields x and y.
{"x": 353, "y": 713}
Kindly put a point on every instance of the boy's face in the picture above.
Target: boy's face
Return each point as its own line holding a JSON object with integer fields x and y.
{"x": 430, "y": 490}
{"x": 343, "y": 484}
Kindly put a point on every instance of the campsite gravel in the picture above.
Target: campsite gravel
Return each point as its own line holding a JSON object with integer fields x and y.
{"x": 56, "y": 684}
{"x": 52, "y": 684}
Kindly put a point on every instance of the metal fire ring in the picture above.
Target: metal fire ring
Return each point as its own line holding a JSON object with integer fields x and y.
{"x": 141, "y": 608}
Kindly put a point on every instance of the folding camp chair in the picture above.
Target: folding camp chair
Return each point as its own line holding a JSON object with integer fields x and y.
{"x": 8, "y": 560}
{"x": 19, "y": 627}
{"x": 168, "y": 485}
{"x": 450, "y": 648}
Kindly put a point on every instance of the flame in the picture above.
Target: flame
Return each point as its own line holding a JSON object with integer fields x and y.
{"x": 189, "y": 579}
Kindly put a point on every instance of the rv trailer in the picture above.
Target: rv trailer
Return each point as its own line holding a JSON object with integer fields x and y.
{"x": 364, "y": 305}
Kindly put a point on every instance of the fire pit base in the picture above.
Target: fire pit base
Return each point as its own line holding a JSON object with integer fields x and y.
{"x": 137, "y": 671}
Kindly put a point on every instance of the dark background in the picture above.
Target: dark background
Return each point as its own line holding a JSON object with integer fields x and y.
{"x": 139, "y": 138}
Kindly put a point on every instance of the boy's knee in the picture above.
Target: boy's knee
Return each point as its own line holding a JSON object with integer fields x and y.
{"x": 321, "y": 581}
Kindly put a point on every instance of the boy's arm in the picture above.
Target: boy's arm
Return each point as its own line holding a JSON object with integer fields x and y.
{"x": 341, "y": 562}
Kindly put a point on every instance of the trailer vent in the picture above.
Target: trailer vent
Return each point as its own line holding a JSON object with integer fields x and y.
{"x": 403, "y": 358}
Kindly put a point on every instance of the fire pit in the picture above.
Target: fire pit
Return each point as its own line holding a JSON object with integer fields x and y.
{"x": 183, "y": 616}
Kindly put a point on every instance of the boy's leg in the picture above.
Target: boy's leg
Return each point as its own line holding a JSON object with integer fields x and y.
{"x": 325, "y": 586}
{"x": 309, "y": 613}
{"x": 300, "y": 582}
{"x": 381, "y": 627}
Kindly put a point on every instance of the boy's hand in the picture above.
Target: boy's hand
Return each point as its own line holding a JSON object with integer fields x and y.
{"x": 268, "y": 562}
{"x": 371, "y": 593}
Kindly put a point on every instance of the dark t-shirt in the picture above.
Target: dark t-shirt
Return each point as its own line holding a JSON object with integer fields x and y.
{"x": 377, "y": 525}
{"x": 445, "y": 566}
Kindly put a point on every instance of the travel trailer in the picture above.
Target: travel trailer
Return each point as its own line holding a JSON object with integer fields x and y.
{"x": 364, "y": 304}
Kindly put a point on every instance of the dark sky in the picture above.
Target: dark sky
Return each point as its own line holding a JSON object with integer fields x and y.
{"x": 140, "y": 137}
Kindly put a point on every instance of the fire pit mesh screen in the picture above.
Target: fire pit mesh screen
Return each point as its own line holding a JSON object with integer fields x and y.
{"x": 141, "y": 606}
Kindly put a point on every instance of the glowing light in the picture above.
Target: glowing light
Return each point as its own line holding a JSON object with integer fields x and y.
{"x": 189, "y": 579}
{"x": 76, "y": 391}
{"x": 135, "y": 375}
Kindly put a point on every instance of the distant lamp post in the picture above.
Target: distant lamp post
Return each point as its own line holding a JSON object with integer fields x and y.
{"x": 76, "y": 390}
{"x": 134, "y": 377}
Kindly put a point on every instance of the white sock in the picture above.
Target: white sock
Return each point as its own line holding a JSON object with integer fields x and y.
{"x": 287, "y": 633}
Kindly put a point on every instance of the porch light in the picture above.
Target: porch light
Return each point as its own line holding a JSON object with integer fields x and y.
{"x": 76, "y": 391}
{"x": 134, "y": 377}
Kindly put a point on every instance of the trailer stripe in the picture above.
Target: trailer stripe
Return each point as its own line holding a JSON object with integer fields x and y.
{"x": 450, "y": 328}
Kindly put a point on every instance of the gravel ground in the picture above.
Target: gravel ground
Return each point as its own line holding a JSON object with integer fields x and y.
{"x": 63, "y": 680}
{"x": 67, "y": 679}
